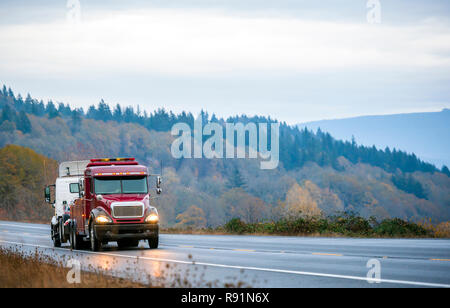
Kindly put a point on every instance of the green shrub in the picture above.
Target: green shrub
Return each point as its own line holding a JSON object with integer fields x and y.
{"x": 399, "y": 227}
{"x": 348, "y": 224}
{"x": 235, "y": 225}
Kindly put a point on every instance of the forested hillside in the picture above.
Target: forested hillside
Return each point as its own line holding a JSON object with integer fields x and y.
{"x": 317, "y": 174}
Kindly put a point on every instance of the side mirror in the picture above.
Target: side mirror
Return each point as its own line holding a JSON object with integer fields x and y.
{"x": 47, "y": 194}
{"x": 81, "y": 187}
{"x": 158, "y": 185}
{"x": 158, "y": 182}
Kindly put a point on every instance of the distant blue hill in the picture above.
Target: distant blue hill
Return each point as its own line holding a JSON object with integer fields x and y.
{"x": 425, "y": 134}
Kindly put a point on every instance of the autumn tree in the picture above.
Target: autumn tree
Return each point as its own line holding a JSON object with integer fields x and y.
{"x": 327, "y": 201}
{"x": 239, "y": 204}
{"x": 193, "y": 217}
{"x": 299, "y": 203}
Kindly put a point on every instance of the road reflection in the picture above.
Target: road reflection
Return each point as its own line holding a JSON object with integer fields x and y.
{"x": 139, "y": 265}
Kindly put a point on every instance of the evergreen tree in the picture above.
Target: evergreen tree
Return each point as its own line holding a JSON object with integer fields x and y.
{"x": 445, "y": 170}
{"x": 38, "y": 109}
{"x": 51, "y": 110}
{"x": 28, "y": 106}
{"x": 19, "y": 103}
{"x": 8, "y": 114}
{"x": 236, "y": 180}
{"x": 23, "y": 123}
{"x": 103, "y": 112}
{"x": 129, "y": 115}
{"x": 408, "y": 184}
{"x": 76, "y": 121}
{"x": 91, "y": 113}
{"x": 11, "y": 94}
{"x": 117, "y": 114}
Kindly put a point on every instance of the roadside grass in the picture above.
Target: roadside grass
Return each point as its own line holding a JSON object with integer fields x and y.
{"x": 343, "y": 225}
{"x": 19, "y": 270}
{"x": 38, "y": 270}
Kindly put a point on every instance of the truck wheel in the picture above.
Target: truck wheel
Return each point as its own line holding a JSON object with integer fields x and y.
{"x": 127, "y": 243}
{"x": 95, "y": 243}
{"x": 62, "y": 239}
{"x": 153, "y": 242}
{"x": 74, "y": 239}
{"x": 55, "y": 237}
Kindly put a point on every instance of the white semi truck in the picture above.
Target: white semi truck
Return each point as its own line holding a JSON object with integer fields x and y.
{"x": 66, "y": 190}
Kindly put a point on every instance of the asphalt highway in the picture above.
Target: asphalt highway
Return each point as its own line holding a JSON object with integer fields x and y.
{"x": 255, "y": 261}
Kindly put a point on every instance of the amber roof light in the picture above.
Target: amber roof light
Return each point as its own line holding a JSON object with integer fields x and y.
{"x": 111, "y": 159}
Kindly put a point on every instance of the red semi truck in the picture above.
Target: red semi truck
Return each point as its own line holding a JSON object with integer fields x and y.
{"x": 114, "y": 205}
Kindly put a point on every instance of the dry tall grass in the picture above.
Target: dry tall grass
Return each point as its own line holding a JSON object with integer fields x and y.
{"x": 38, "y": 271}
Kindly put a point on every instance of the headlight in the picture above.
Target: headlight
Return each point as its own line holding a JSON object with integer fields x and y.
{"x": 152, "y": 218}
{"x": 103, "y": 219}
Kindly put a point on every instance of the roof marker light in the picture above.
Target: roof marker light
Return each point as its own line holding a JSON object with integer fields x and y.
{"x": 112, "y": 159}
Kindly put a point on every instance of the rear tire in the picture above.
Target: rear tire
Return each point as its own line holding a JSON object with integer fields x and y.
{"x": 75, "y": 240}
{"x": 62, "y": 238}
{"x": 95, "y": 243}
{"x": 153, "y": 242}
{"x": 55, "y": 237}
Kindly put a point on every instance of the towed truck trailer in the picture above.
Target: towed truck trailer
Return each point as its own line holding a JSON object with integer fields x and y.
{"x": 61, "y": 194}
{"x": 113, "y": 205}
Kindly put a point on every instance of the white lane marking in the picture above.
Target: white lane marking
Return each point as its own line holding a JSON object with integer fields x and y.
{"x": 261, "y": 269}
{"x": 25, "y": 227}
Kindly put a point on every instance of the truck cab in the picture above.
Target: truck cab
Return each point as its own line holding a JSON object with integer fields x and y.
{"x": 114, "y": 205}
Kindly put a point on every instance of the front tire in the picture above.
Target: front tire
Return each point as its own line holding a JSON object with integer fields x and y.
{"x": 153, "y": 242}
{"x": 95, "y": 243}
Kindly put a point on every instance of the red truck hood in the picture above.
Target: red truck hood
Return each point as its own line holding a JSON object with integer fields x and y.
{"x": 123, "y": 198}
{"x": 107, "y": 200}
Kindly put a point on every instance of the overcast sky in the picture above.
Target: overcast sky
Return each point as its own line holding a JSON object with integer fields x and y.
{"x": 296, "y": 61}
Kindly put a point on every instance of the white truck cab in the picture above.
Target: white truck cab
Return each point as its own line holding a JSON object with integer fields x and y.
{"x": 66, "y": 191}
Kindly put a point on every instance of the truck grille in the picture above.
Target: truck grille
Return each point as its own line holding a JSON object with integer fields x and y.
{"x": 127, "y": 210}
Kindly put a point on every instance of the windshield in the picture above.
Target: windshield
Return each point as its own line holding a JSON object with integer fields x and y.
{"x": 121, "y": 185}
